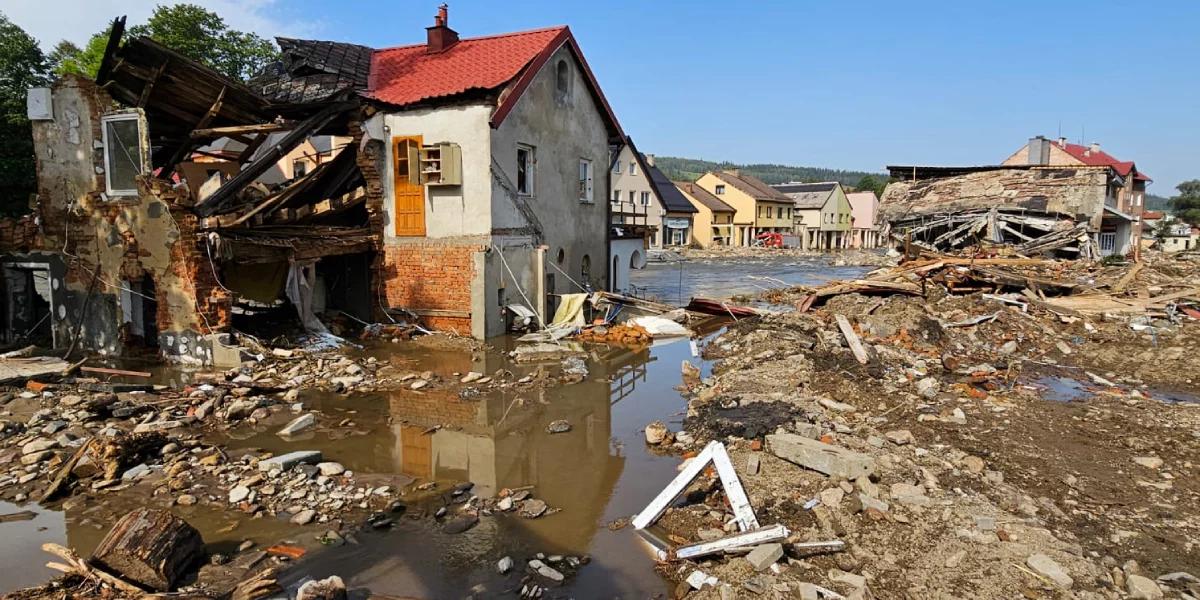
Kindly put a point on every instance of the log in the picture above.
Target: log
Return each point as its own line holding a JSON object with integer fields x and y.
{"x": 150, "y": 547}
{"x": 860, "y": 353}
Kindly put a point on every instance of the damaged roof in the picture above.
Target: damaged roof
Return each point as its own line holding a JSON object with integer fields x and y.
{"x": 313, "y": 70}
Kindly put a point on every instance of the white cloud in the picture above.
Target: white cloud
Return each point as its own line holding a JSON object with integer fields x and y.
{"x": 77, "y": 20}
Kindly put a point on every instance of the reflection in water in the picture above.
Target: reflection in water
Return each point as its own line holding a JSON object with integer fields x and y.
{"x": 724, "y": 278}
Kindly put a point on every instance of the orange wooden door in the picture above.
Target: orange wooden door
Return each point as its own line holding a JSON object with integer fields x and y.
{"x": 410, "y": 197}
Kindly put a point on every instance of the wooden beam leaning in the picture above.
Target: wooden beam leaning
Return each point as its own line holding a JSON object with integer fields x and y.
{"x": 216, "y": 132}
{"x": 145, "y": 97}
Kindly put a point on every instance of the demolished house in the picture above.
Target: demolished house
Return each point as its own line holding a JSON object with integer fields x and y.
{"x": 1067, "y": 212}
{"x": 174, "y": 206}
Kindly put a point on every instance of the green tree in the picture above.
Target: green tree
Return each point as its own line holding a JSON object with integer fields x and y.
{"x": 22, "y": 66}
{"x": 203, "y": 35}
{"x": 1187, "y": 204}
{"x": 66, "y": 57}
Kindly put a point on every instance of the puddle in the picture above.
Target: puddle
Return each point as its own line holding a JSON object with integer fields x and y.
{"x": 678, "y": 283}
{"x": 1062, "y": 388}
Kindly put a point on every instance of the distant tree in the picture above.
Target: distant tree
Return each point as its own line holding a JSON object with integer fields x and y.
{"x": 202, "y": 35}
{"x": 22, "y": 66}
{"x": 66, "y": 57}
{"x": 871, "y": 183}
{"x": 1187, "y": 204}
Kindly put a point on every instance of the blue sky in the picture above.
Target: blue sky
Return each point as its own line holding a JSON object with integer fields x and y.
{"x": 842, "y": 85}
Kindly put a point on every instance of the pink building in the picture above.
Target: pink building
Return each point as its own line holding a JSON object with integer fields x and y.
{"x": 864, "y": 207}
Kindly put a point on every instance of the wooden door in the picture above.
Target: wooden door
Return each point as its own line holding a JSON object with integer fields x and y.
{"x": 409, "y": 210}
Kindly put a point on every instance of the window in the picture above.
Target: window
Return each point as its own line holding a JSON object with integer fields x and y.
{"x": 645, "y": 198}
{"x": 632, "y": 196}
{"x": 122, "y": 138}
{"x": 720, "y": 190}
{"x": 585, "y": 270}
{"x": 585, "y": 180}
{"x": 779, "y": 212}
{"x": 525, "y": 163}
{"x": 633, "y": 167}
{"x": 562, "y": 79}
{"x": 617, "y": 167}
{"x": 616, "y": 196}
{"x": 299, "y": 169}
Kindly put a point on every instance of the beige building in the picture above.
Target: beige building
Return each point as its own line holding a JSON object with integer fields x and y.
{"x": 713, "y": 221}
{"x": 633, "y": 202}
{"x": 758, "y": 207}
{"x": 822, "y": 214}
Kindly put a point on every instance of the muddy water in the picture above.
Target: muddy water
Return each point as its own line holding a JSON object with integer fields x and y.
{"x": 722, "y": 278}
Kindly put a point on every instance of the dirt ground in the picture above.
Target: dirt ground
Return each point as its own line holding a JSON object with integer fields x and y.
{"x": 994, "y": 472}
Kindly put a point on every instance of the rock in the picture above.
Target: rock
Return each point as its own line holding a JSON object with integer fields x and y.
{"x": 185, "y": 500}
{"x": 472, "y": 376}
{"x": 38, "y": 445}
{"x": 853, "y": 580}
{"x": 545, "y": 570}
{"x": 532, "y": 508}
{"x": 698, "y": 579}
{"x": 1008, "y": 347}
{"x": 134, "y": 473}
{"x": 1063, "y": 347}
{"x": 1142, "y": 588}
{"x": 807, "y": 591}
{"x": 298, "y": 425}
{"x": 1046, "y": 567}
{"x": 836, "y": 406}
{"x": 330, "y": 469}
{"x": 559, "y": 426}
{"x": 900, "y": 437}
{"x": 505, "y": 504}
{"x": 830, "y": 460}
{"x": 657, "y": 433}
{"x": 304, "y": 517}
{"x": 753, "y": 463}
{"x": 418, "y": 384}
{"x": 238, "y": 493}
{"x": 832, "y": 496}
{"x": 505, "y": 565}
{"x": 1150, "y": 462}
{"x": 289, "y": 460}
{"x": 157, "y": 426}
{"x": 36, "y": 457}
{"x": 460, "y": 524}
{"x": 863, "y": 503}
{"x": 330, "y": 588}
{"x": 907, "y": 493}
{"x": 928, "y": 388}
{"x": 973, "y": 464}
{"x": 763, "y": 556}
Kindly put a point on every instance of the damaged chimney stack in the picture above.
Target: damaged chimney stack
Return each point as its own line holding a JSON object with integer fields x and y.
{"x": 440, "y": 37}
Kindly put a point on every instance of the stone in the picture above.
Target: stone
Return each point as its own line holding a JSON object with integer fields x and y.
{"x": 657, "y": 433}
{"x": 331, "y": 588}
{"x": 836, "y": 406}
{"x": 807, "y": 591}
{"x": 36, "y": 457}
{"x": 763, "y": 556}
{"x": 472, "y": 376}
{"x": 330, "y": 469}
{"x": 298, "y": 425}
{"x": 289, "y": 460}
{"x": 907, "y": 493}
{"x": 505, "y": 565}
{"x": 1142, "y": 588}
{"x": 698, "y": 579}
{"x": 134, "y": 473}
{"x": 532, "y": 509}
{"x": 928, "y": 388}
{"x": 899, "y": 437}
{"x": 1046, "y": 567}
{"x": 418, "y": 384}
{"x": 38, "y": 445}
{"x": 832, "y": 496}
{"x": 505, "y": 504}
{"x": 1063, "y": 347}
{"x": 185, "y": 500}
{"x": 559, "y": 426}
{"x": 973, "y": 464}
{"x": 460, "y": 524}
{"x": 1150, "y": 462}
{"x": 824, "y": 458}
{"x": 851, "y": 579}
{"x": 304, "y": 517}
{"x": 238, "y": 493}
{"x": 1008, "y": 347}
{"x": 753, "y": 463}
{"x": 157, "y": 426}
{"x": 863, "y": 503}
{"x": 545, "y": 570}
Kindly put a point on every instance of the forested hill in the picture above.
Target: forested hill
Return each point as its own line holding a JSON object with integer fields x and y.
{"x": 689, "y": 169}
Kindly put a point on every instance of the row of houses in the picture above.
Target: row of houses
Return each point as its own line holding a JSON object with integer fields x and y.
{"x": 732, "y": 208}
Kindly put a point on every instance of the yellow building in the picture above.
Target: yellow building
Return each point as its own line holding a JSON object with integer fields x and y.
{"x": 758, "y": 207}
{"x": 713, "y": 221}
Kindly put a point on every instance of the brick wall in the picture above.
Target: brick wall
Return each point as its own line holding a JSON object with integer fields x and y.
{"x": 430, "y": 276}
{"x": 434, "y": 407}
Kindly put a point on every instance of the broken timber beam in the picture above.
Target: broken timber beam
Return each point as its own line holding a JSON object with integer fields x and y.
{"x": 860, "y": 353}
{"x": 216, "y": 132}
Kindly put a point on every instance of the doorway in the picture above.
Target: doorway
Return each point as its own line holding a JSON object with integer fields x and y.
{"x": 29, "y": 305}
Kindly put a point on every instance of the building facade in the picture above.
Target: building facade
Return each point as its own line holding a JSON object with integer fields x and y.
{"x": 713, "y": 221}
{"x": 758, "y": 208}
{"x": 822, "y": 214}
{"x": 864, "y": 212}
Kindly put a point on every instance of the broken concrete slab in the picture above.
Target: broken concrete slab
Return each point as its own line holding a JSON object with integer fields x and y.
{"x": 824, "y": 458}
{"x": 298, "y": 425}
{"x": 289, "y": 460}
{"x": 762, "y": 557}
{"x": 1046, "y": 567}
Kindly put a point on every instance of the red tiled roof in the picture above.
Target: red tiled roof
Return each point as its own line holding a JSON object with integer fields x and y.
{"x": 1100, "y": 158}
{"x": 408, "y": 74}
{"x": 1152, "y": 215}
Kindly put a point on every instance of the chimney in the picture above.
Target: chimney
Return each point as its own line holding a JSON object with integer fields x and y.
{"x": 1039, "y": 151}
{"x": 1062, "y": 142}
{"x": 649, "y": 159}
{"x": 734, "y": 172}
{"x": 440, "y": 36}
{"x": 1094, "y": 147}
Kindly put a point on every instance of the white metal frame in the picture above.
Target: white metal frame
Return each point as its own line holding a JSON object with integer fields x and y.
{"x": 104, "y": 121}
{"x": 716, "y": 454}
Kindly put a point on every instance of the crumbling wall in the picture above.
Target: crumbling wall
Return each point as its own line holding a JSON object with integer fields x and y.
{"x": 434, "y": 279}
{"x": 105, "y": 241}
{"x": 1078, "y": 192}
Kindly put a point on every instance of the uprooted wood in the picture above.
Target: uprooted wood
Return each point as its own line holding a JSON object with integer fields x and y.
{"x": 64, "y": 472}
{"x": 151, "y": 547}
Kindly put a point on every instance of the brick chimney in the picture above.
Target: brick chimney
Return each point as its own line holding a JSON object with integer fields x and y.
{"x": 440, "y": 37}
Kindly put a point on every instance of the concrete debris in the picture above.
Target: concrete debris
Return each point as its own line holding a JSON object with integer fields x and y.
{"x": 762, "y": 557}
{"x": 1046, "y": 567}
{"x": 299, "y": 424}
{"x": 825, "y": 458}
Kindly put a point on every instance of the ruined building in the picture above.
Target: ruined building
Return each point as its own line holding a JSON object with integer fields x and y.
{"x": 468, "y": 177}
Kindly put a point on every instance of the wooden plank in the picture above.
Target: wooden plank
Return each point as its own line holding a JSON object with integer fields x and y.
{"x": 261, "y": 128}
{"x": 145, "y": 97}
{"x": 1128, "y": 277}
{"x": 106, "y": 371}
{"x": 860, "y": 353}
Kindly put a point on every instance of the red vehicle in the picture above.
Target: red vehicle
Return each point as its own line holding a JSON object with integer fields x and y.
{"x": 769, "y": 240}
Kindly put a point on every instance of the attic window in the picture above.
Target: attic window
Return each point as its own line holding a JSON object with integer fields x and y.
{"x": 122, "y": 138}
{"x": 562, "y": 79}
{"x": 720, "y": 190}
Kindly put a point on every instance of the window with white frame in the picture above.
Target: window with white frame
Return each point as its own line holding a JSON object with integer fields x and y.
{"x": 632, "y": 196}
{"x": 645, "y": 198}
{"x": 617, "y": 166}
{"x": 720, "y": 190}
{"x": 633, "y": 167}
{"x": 122, "y": 137}
{"x": 616, "y": 196}
{"x": 525, "y": 165}
{"x": 585, "y": 181}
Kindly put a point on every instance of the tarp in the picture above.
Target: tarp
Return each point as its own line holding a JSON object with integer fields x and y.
{"x": 260, "y": 282}
{"x": 301, "y": 279}
{"x": 570, "y": 311}
{"x": 659, "y": 327}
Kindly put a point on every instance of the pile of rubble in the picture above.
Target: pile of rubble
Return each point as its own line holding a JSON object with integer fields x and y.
{"x": 906, "y": 415}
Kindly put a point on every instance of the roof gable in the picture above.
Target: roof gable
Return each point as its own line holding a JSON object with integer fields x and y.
{"x": 704, "y": 197}
{"x": 751, "y": 186}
